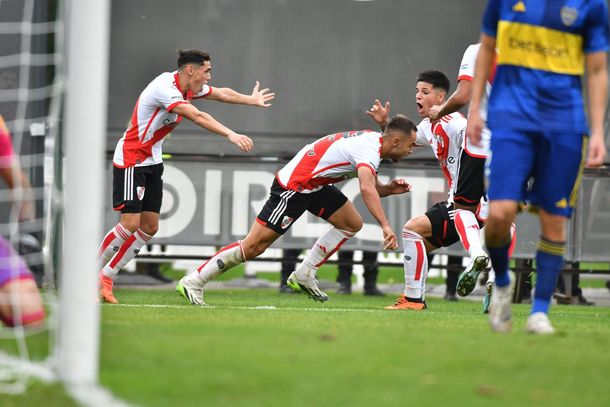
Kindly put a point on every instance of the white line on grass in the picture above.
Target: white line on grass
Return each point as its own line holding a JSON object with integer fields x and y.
{"x": 257, "y": 308}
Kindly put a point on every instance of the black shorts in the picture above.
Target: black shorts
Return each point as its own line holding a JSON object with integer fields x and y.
{"x": 471, "y": 180}
{"x": 285, "y": 206}
{"x": 137, "y": 189}
{"x": 443, "y": 225}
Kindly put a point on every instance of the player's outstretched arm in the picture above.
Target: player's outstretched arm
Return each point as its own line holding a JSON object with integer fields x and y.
{"x": 379, "y": 113}
{"x": 258, "y": 97}
{"x": 395, "y": 187}
{"x": 597, "y": 90}
{"x": 371, "y": 199}
{"x": 481, "y": 74}
{"x": 206, "y": 121}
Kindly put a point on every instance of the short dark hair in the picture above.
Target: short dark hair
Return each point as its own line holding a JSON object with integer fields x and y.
{"x": 192, "y": 56}
{"x": 436, "y": 78}
{"x": 401, "y": 123}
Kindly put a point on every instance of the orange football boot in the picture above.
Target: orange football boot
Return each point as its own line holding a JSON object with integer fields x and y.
{"x": 403, "y": 303}
{"x": 106, "y": 290}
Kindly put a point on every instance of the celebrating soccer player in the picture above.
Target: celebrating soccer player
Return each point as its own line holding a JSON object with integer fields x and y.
{"x": 138, "y": 167}
{"x": 306, "y": 183}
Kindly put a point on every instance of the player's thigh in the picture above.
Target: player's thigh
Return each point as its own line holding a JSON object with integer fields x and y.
{"x": 282, "y": 208}
{"x": 470, "y": 183}
{"x": 557, "y": 172}
{"x": 346, "y": 218}
{"x": 510, "y": 164}
{"x": 258, "y": 239}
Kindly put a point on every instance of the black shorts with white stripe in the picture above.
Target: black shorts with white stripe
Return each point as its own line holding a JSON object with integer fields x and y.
{"x": 285, "y": 206}
{"x": 137, "y": 189}
{"x": 441, "y": 216}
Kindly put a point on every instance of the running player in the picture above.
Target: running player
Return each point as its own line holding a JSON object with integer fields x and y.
{"x": 462, "y": 215}
{"x": 138, "y": 167}
{"x": 306, "y": 184}
{"x": 537, "y": 118}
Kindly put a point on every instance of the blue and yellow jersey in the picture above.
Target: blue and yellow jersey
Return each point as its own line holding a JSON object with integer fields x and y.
{"x": 541, "y": 47}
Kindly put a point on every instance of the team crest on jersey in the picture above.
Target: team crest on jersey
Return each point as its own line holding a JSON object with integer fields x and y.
{"x": 568, "y": 15}
{"x": 140, "y": 192}
{"x": 286, "y": 222}
{"x": 311, "y": 152}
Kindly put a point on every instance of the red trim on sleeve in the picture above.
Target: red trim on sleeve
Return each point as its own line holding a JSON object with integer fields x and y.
{"x": 173, "y": 105}
{"x": 369, "y": 166}
{"x": 464, "y": 78}
{"x": 206, "y": 95}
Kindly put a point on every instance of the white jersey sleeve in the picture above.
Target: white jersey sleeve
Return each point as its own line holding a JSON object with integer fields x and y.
{"x": 422, "y": 138}
{"x": 469, "y": 59}
{"x": 205, "y": 91}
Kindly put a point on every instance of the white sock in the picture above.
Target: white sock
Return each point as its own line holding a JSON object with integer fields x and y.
{"x": 415, "y": 262}
{"x": 325, "y": 246}
{"x": 129, "y": 249}
{"x": 468, "y": 230}
{"x": 224, "y": 259}
{"x": 491, "y": 277}
{"x": 111, "y": 244}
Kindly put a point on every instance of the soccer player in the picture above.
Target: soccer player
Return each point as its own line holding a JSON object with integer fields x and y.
{"x": 138, "y": 167}
{"x": 457, "y": 100}
{"x": 461, "y": 216}
{"x": 306, "y": 183}
{"x": 537, "y": 118}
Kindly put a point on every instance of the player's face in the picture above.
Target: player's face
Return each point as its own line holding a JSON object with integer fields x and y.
{"x": 426, "y": 97}
{"x": 402, "y": 146}
{"x": 202, "y": 74}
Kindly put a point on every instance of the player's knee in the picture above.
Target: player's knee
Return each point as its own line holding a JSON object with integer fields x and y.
{"x": 413, "y": 225}
{"x": 254, "y": 249}
{"x": 354, "y": 224}
{"x": 131, "y": 224}
{"x": 150, "y": 229}
{"x": 498, "y": 225}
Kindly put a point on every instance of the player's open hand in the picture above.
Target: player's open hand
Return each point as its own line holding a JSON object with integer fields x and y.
{"x": 244, "y": 143}
{"x": 379, "y": 112}
{"x": 262, "y": 97}
{"x": 390, "y": 241}
{"x": 399, "y": 186}
{"x": 474, "y": 128}
{"x": 597, "y": 151}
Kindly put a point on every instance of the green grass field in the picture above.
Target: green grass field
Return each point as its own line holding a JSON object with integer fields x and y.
{"x": 261, "y": 348}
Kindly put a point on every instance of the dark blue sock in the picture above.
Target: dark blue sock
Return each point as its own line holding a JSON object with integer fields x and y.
{"x": 499, "y": 261}
{"x": 549, "y": 262}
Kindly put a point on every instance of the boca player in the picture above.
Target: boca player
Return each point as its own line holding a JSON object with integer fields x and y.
{"x": 539, "y": 128}
{"x": 306, "y": 183}
{"x": 137, "y": 162}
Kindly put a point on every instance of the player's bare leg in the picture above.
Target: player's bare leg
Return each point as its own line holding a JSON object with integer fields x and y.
{"x": 346, "y": 222}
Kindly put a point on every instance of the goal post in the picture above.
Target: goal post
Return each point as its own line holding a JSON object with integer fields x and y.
{"x": 87, "y": 41}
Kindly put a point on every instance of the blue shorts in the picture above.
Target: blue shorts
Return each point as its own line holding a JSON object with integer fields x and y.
{"x": 542, "y": 168}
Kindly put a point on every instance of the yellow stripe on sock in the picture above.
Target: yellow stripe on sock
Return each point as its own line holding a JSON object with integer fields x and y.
{"x": 556, "y": 249}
